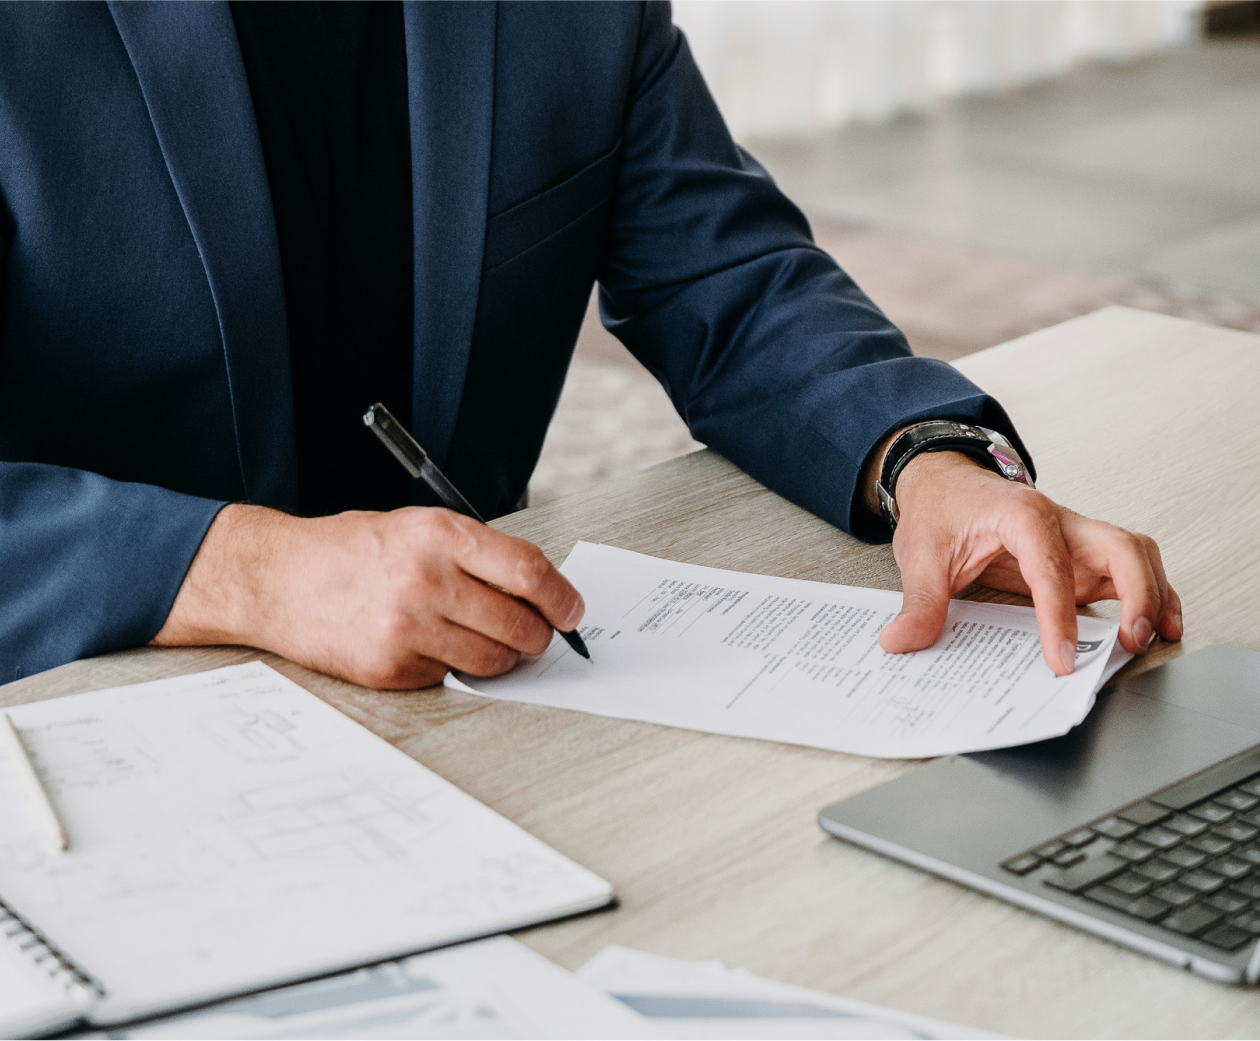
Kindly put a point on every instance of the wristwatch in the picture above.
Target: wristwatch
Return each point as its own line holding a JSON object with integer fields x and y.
{"x": 987, "y": 447}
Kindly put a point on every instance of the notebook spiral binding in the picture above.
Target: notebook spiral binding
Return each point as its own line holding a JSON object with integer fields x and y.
{"x": 59, "y": 966}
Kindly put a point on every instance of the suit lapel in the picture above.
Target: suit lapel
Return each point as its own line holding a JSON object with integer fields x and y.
{"x": 450, "y": 77}
{"x": 190, "y": 70}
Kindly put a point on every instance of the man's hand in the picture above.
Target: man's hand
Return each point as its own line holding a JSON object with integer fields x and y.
{"x": 960, "y": 523}
{"x": 387, "y": 600}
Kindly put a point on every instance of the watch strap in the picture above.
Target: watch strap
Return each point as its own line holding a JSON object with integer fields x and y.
{"x": 987, "y": 447}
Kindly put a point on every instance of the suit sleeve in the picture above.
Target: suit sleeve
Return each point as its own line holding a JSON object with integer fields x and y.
{"x": 87, "y": 564}
{"x": 771, "y": 354}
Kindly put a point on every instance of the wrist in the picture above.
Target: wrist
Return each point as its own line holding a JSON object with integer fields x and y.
{"x": 229, "y": 594}
{"x": 988, "y": 447}
{"x": 927, "y": 477}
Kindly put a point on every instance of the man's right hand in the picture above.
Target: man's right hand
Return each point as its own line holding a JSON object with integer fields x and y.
{"x": 386, "y": 600}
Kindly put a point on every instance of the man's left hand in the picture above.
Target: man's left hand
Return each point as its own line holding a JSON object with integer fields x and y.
{"x": 960, "y": 523}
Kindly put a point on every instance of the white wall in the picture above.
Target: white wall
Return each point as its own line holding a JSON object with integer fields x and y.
{"x": 796, "y": 66}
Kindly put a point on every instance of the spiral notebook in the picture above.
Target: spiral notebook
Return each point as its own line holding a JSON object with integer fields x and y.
{"x": 231, "y": 832}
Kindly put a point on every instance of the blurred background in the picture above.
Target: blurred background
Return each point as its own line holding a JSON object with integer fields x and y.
{"x": 982, "y": 168}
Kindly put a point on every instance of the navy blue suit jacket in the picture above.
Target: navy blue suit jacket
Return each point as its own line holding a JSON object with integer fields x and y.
{"x": 144, "y": 371}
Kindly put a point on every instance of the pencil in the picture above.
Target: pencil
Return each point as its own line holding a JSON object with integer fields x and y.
{"x": 38, "y": 798}
{"x": 415, "y": 460}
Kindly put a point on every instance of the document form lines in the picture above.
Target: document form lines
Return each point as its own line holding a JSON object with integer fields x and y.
{"x": 800, "y": 661}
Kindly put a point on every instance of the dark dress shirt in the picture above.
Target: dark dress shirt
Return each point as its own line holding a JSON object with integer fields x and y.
{"x": 329, "y": 85}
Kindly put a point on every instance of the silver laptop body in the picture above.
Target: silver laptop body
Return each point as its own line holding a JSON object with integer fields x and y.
{"x": 1141, "y": 825}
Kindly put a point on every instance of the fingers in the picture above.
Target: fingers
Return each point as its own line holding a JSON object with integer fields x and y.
{"x": 1138, "y": 588}
{"x": 1169, "y": 623}
{"x": 926, "y": 579}
{"x": 502, "y": 618}
{"x": 1131, "y": 564}
{"x": 517, "y": 567}
{"x": 1037, "y": 543}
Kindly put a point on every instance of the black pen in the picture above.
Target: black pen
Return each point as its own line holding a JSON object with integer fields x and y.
{"x": 416, "y": 461}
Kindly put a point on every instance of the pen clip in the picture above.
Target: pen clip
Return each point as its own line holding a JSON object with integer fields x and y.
{"x": 394, "y": 436}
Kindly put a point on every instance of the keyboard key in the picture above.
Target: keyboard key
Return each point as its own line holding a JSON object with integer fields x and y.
{"x": 1228, "y": 901}
{"x": 1211, "y": 812}
{"x": 1174, "y": 894}
{"x": 1184, "y": 857}
{"x": 1081, "y": 837}
{"x": 1237, "y": 800}
{"x": 1236, "y": 831}
{"x": 1158, "y": 870}
{"x": 1250, "y": 921}
{"x": 1023, "y": 864}
{"x": 1050, "y": 849}
{"x": 1192, "y": 919}
{"x": 1231, "y": 867}
{"x": 1232, "y": 773}
{"x": 1225, "y": 936}
{"x": 1069, "y": 857}
{"x": 1131, "y": 884}
{"x": 1210, "y": 843}
{"x": 1186, "y": 825}
{"x": 1249, "y": 887}
{"x": 1114, "y": 828}
{"x": 1134, "y": 850}
{"x": 1160, "y": 838}
{"x": 1145, "y": 907}
{"x": 1143, "y": 813}
{"x": 1082, "y": 876}
{"x": 1252, "y": 787}
{"x": 1203, "y": 880}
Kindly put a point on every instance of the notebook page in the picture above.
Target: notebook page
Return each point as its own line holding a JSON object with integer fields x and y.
{"x": 230, "y": 831}
{"x": 800, "y": 662}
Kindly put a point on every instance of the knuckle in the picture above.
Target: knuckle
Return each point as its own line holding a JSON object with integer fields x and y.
{"x": 491, "y": 660}
{"x": 382, "y": 671}
{"x": 531, "y": 570}
{"x": 917, "y": 601}
{"x": 393, "y": 629}
{"x": 522, "y": 629}
{"x": 443, "y": 528}
{"x": 1038, "y": 508}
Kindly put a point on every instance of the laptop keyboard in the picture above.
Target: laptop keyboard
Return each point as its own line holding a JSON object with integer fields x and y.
{"x": 1185, "y": 859}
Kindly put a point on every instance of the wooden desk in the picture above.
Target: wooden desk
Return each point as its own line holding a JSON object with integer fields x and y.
{"x": 711, "y": 841}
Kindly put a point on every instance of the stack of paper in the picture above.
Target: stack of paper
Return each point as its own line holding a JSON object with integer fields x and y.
{"x": 795, "y": 661}
{"x": 707, "y": 1000}
{"x": 499, "y": 988}
{"x": 494, "y": 988}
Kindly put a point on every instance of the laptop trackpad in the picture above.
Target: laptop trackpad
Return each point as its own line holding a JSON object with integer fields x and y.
{"x": 1128, "y": 746}
{"x": 976, "y": 810}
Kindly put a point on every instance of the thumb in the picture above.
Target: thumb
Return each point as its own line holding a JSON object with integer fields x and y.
{"x": 924, "y": 606}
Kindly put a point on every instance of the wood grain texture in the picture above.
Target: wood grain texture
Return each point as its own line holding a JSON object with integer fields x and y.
{"x": 711, "y": 841}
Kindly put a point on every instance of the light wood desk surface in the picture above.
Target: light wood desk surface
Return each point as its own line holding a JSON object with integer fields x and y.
{"x": 711, "y": 842}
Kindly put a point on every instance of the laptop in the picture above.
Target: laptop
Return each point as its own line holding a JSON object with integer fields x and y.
{"x": 1141, "y": 825}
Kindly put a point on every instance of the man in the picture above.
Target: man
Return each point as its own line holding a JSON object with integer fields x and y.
{"x": 226, "y": 230}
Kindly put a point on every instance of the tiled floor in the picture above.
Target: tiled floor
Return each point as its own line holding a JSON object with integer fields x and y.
{"x": 1147, "y": 169}
{"x": 1136, "y": 184}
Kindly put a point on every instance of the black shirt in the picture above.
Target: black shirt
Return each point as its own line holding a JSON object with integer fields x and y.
{"x": 329, "y": 85}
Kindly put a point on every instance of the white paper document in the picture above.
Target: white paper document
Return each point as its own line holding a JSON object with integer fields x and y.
{"x": 800, "y": 662}
{"x": 495, "y": 988}
{"x": 230, "y": 831}
{"x": 682, "y": 999}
